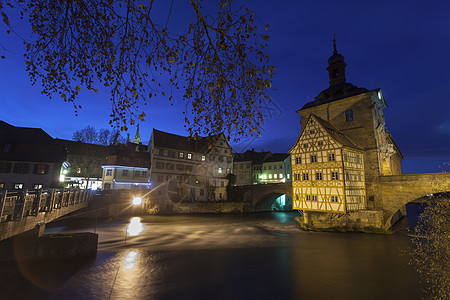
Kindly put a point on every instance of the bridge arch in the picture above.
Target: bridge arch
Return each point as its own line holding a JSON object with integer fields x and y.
{"x": 267, "y": 201}
{"x": 398, "y": 190}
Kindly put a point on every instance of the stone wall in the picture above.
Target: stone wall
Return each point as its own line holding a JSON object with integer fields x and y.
{"x": 364, "y": 220}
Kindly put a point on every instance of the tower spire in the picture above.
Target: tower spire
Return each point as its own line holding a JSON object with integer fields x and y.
{"x": 334, "y": 44}
{"x": 137, "y": 137}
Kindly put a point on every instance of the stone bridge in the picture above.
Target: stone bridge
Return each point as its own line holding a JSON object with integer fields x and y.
{"x": 261, "y": 196}
{"x": 395, "y": 191}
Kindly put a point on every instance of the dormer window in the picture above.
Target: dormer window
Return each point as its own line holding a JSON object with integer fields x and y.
{"x": 349, "y": 115}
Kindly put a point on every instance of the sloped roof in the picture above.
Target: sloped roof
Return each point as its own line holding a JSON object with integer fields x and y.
{"x": 336, "y": 134}
{"x": 277, "y": 157}
{"x": 11, "y": 134}
{"x": 334, "y": 93}
{"x": 80, "y": 148}
{"x": 200, "y": 144}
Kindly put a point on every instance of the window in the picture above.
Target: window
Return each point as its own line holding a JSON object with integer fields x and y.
{"x": 318, "y": 176}
{"x": 296, "y": 176}
{"x": 358, "y": 159}
{"x": 179, "y": 178}
{"x": 334, "y": 198}
{"x": 265, "y": 167}
{"x": 203, "y": 158}
{"x": 144, "y": 174}
{"x": 137, "y": 173}
{"x": 40, "y": 169}
{"x": 349, "y": 115}
{"x": 274, "y": 167}
{"x": 2, "y": 185}
{"x": 334, "y": 176}
{"x": 287, "y": 175}
{"x": 189, "y": 155}
{"x": 308, "y": 197}
{"x": 171, "y": 153}
{"x": 222, "y": 184}
{"x": 275, "y": 176}
{"x": 248, "y": 166}
{"x": 320, "y": 143}
{"x": 108, "y": 172}
{"x": 331, "y": 157}
{"x": 312, "y": 131}
{"x": 220, "y": 158}
{"x": 229, "y": 159}
{"x": 296, "y": 197}
{"x": 7, "y": 148}
{"x": 347, "y": 176}
{"x": 21, "y": 168}
{"x": 159, "y": 165}
{"x": 281, "y": 175}
{"x": 161, "y": 152}
{"x": 169, "y": 166}
{"x": 314, "y": 198}
{"x": 18, "y": 186}
{"x": 298, "y": 160}
{"x": 180, "y": 167}
{"x": 202, "y": 192}
{"x": 5, "y": 167}
{"x": 270, "y": 176}
{"x": 270, "y": 167}
{"x": 125, "y": 173}
{"x": 37, "y": 186}
{"x": 305, "y": 145}
{"x": 305, "y": 176}
{"x": 219, "y": 170}
{"x": 345, "y": 156}
{"x": 359, "y": 176}
{"x": 281, "y": 167}
{"x": 313, "y": 158}
{"x": 181, "y": 154}
{"x": 228, "y": 170}
{"x": 220, "y": 196}
{"x": 241, "y": 166}
{"x": 107, "y": 186}
{"x": 160, "y": 178}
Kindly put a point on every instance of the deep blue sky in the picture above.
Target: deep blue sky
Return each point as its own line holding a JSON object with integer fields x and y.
{"x": 402, "y": 47}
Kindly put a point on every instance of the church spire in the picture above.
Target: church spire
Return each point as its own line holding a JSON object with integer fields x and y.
{"x": 137, "y": 137}
{"x": 336, "y": 67}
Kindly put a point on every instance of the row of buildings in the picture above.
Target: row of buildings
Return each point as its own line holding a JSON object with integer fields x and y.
{"x": 172, "y": 166}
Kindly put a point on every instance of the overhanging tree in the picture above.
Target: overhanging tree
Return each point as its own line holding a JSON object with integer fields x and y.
{"x": 217, "y": 62}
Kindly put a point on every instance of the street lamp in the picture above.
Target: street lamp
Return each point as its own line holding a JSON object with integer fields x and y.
{"x": 137, "y": 201}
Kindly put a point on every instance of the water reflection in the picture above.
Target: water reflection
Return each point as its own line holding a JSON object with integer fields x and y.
{"x": 130, "y": 260}
{"x": 135, "y": 227}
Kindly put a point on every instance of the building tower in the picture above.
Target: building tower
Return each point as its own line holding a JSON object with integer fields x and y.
{"x": 343, "y": 147}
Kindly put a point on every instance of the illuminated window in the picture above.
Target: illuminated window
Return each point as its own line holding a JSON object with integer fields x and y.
{"x": 37, "y": 186}
{"x": 228, "y": 170}
{"x": 18, "y": 186}
{"x": 281, "y": 175}
{"x": 349, "y": 115}
{"x": 40, "y": 169}
{"x": 189, "y": 155}
{"x": 305, "y": 176}
{"x": 334, "y": 176}
{"x": 108, "y": 172}
{"x": 331, "y": 157}
{"x": 288, "y": 175}
{"x": 313, "y": 158}
{"x": 334, "y": 198}
{"x": 203, "y": 158}
{"x": 270, "y": 176}
{"x": 318, "y": 176}
{"x": 275, "y": 176}
{"x": 220, "y": 170}
{"x": 2, "y": 185}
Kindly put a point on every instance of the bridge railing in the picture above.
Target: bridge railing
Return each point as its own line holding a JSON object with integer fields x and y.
{"x": 15, "y": 205}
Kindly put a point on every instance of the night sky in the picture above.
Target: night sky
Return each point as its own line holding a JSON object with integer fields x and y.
{"x": 402, "y": 47}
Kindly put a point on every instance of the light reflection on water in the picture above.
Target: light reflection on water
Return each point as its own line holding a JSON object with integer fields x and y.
{"x": 242, "y": 257}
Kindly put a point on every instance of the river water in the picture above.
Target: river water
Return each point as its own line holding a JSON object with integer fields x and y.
{"x": 252, "y": 256}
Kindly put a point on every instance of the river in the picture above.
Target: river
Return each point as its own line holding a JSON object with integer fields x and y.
{"x": 252, "y": 256}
